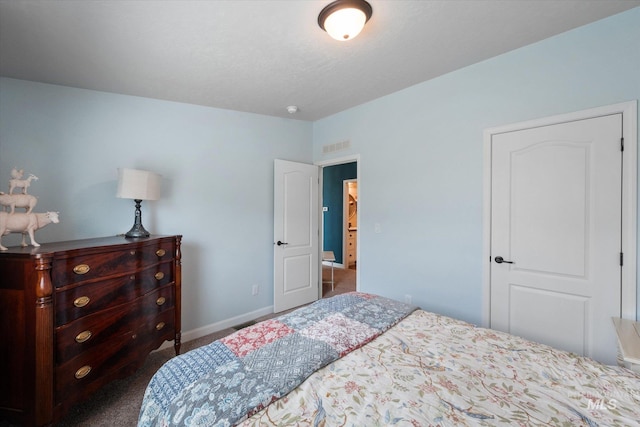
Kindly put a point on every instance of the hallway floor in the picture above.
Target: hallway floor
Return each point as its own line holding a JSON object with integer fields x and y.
{"x": 344, "y": 281}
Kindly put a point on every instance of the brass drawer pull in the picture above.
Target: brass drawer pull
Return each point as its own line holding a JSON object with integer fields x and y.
{"x": 159, "y": 326}
{"x": 81, "y": 269}
{"x": 83, "y": 336}
{"x": 160, "y": 252}
{"x": 159, "y": 275}
{"x": 161, "y": 300}
{"x": 83, "y": 372}
{"x": 81, "y": 301}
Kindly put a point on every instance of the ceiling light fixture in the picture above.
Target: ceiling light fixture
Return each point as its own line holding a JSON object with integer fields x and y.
{"x": 344, "y": 19}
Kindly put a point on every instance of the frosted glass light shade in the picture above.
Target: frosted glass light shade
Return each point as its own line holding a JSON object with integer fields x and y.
{"x": 345, "y": 19}
{"x": 138, "y": 184}
{"x": 345, "y": 24}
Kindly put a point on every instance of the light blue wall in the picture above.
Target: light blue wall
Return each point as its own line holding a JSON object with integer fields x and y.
{"x": 420, "y": 158}
{"x": 421, "y": 155}
{"x": 217, "y": 187}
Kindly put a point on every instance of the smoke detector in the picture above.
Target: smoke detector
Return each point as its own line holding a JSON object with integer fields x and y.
{"x": 292, "y": 109}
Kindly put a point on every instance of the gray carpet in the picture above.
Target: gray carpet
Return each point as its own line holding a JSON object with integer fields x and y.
{"x": 118, "y": 403}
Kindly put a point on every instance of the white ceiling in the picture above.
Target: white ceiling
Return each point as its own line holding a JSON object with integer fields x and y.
{"x": 261, "y": 56}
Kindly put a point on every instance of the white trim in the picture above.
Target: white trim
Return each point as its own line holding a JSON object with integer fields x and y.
{"x": 630, "y": 209}
{"x": 340, "y": 161}
{"x": 629, "y": 197}
{"x": 219, "y": 326}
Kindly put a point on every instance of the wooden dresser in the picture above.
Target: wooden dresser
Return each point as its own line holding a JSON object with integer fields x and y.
{"x": 75, "y": 315}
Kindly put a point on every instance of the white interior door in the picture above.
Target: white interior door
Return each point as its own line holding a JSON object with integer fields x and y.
{"x": 556, "y": 223}
{"x": 295, "y": 235}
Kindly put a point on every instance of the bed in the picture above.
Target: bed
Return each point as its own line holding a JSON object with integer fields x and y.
{"x": 360, "y": 359}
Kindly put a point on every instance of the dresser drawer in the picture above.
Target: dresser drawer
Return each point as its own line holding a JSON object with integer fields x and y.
{"x": 90, "y": 331}
{"x": 79, "y": 268}
{"x": 90, "y": 298}
{"x": 120, "y": 352}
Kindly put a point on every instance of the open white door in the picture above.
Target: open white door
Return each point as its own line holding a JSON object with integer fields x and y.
{"x": 295, "y": 235}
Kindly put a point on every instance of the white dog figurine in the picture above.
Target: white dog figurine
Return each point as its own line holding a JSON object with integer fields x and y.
{"x": 14, "y": 201}
{"x": 25, "y": 223}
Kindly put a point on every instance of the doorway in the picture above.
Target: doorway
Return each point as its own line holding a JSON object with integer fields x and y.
{"x": 339, "y": 233}
{"x": 350, "y": 223}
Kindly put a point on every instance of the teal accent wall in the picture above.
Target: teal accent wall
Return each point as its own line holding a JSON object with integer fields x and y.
{"x": 332, "y": 198}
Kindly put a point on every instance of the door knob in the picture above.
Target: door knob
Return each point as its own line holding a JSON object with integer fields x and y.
{"x": 500, "y": 260}
{"x": 281, "y": 243}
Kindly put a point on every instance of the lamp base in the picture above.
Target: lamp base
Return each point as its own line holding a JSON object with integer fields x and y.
{"x": 137, "y": 230}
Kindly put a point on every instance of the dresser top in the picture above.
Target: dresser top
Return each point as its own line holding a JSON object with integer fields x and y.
{"x": 70, "y": 245}
{"x": 628, "y": 332}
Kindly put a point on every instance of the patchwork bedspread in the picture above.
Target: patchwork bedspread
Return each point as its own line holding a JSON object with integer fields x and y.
{"x": 431, "y": 370}
{"x": 222, "y": 383}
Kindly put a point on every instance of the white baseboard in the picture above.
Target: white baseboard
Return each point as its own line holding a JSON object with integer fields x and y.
{"x": 218, "y": 326}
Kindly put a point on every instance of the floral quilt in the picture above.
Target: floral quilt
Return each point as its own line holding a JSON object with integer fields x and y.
{"x": 431, "y": 370}
{"x": 222, "y": 383}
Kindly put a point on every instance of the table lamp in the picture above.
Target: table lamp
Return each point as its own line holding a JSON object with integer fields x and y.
{"x": 138, "y": 185}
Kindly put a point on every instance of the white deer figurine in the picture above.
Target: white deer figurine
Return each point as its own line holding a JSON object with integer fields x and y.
{"x": 21, "y": 183}
{"x": 14, "y": 201}
{"x": 25, "y": 223}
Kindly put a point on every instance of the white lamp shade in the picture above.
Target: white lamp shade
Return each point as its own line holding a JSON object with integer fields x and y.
{"x": 138, "y": 184}
{"x": 345, "y": 24}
